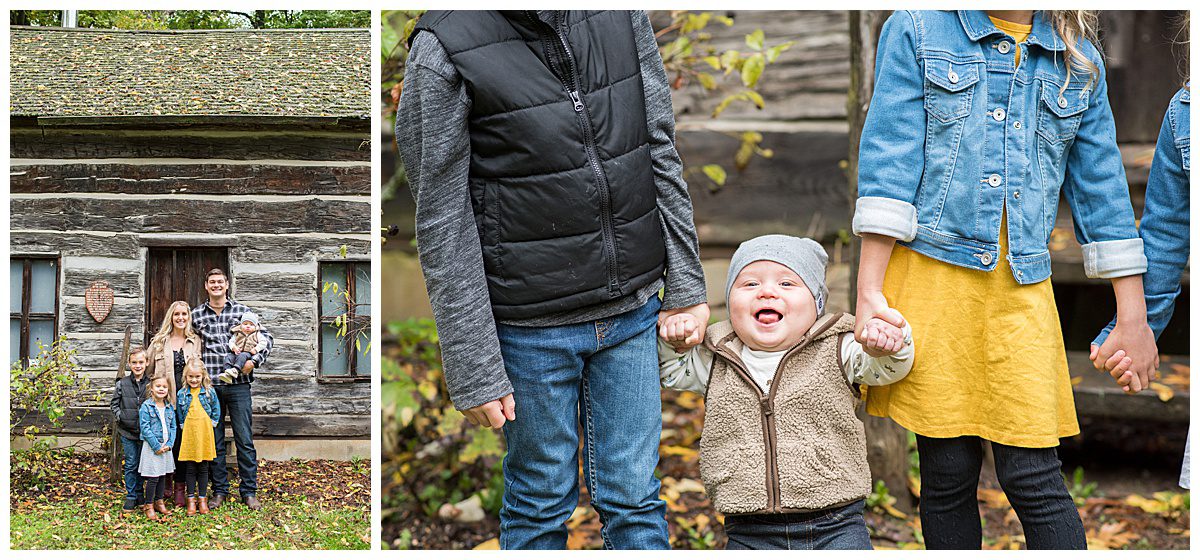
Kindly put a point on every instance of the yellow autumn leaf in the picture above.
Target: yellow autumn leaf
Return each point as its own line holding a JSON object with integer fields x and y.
{"x": 685, "y": 453}
{"x": 993, "y": 498}
{"x": 490, "y": 544}
{"x": 1164, "y": 392}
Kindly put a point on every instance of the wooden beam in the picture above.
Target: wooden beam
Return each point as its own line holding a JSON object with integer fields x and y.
{"x": 150, "y": 177}
{"x": 190, "y": 215}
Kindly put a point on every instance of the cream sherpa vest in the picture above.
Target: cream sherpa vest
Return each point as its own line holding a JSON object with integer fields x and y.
{"x": 797, "y": 448}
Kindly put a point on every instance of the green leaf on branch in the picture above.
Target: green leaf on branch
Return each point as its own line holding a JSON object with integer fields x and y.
{"x": 713, "y": 61}
{"x": 755, "y": 98}
{"x": 707, "y": 81}
{"x": 774, "y": 52}
{"x": 755, "y": 40}
{"x": 752, "y": 69}
{"x": 730, "y": 60}
{"x": 716, "y": 173}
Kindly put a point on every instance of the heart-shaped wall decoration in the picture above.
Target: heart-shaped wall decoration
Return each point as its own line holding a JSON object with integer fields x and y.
{"x": 99, "y": 300}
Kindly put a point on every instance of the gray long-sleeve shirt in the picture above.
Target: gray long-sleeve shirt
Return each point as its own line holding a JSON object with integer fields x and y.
{"x": 431, "y": 131}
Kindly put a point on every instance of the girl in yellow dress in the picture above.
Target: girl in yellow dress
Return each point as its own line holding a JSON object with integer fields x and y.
{"x": 198, "y": 447}
{"x": 979, "y": 123}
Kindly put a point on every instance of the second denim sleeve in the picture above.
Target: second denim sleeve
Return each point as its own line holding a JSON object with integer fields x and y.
{"x": 1164, "y": 231}
{"x": 1097, "y": 191}
{"x": 891, "y": 153}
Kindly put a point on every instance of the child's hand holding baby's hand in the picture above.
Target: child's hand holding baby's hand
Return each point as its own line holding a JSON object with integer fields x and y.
{"x": 882, "y": 338}
{"x": 682, "y": 331}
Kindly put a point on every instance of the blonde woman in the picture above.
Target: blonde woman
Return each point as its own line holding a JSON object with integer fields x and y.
{"x": 170, "y": 349}
{"x": 979, "y": 122}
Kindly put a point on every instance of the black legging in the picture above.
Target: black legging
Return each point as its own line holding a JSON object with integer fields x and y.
{"x": 1031, "y": 478}
{"x": 155, "y": 487}
{"x": 194, "y": 471}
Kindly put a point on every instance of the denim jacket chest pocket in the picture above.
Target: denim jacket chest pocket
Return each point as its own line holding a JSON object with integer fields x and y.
{"x": 1059, "y": 110}
{"x": 1184, "y": 145}
{"x": 949, "y": 88}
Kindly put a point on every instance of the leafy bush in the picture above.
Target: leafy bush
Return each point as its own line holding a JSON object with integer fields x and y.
{"x": 39, "y": 397}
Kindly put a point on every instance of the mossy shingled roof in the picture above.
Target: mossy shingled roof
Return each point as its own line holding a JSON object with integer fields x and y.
{"x": 106, "y": 73}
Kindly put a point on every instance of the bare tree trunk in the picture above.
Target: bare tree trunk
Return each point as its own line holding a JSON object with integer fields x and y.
{"x": 887, "y": 443}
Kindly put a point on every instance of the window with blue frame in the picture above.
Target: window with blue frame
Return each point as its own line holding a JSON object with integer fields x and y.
{"x": 345, "y": 315}
{"x": 33, "y": 306}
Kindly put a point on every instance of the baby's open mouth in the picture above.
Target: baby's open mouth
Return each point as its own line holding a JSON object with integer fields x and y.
{"x": 768, "y": 316}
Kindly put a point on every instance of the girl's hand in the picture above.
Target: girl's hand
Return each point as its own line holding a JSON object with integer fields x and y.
{"x": 1130, "y": 355}
{"x": 871, "y": 305}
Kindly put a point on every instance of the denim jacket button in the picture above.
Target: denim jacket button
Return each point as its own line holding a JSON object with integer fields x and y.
{"x": 995, "y": 180}
{"x": 985, "y": 258}
{"x": 1017, "y": 194}
{"x": 1004, "y": 47}
{"x": 1062, "y": 101}
{"x": 1020, "y": 275}
{"x": 1017, "y": 125}
{"x": 999, "y": 113}
{"x": 953, "y": 76}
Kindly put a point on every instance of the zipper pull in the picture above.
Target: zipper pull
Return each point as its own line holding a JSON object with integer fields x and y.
{"x": 578, "y": 102}
{"x": 766, "y": 406}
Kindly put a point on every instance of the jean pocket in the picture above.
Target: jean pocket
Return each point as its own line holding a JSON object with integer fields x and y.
{"x": 949, "y": 87}
{"x": 1060, "y": 112}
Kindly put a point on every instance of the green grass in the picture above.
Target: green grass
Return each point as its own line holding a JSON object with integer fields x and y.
{"x": 296, "y": 524}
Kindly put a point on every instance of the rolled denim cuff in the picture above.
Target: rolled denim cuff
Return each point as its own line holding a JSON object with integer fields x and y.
{"x": 885, "y": 216}
{"x": 1114, "y": 259}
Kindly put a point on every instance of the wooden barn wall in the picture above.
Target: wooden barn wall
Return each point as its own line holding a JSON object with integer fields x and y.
{"x": 279, "y": 200}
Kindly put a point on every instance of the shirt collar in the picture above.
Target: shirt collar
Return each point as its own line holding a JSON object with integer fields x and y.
{"x": 977, "y": 26}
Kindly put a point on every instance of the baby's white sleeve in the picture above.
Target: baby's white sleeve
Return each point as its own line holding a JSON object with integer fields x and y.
{"x": 684, "y": 372}
{"x": 863, "y": 369}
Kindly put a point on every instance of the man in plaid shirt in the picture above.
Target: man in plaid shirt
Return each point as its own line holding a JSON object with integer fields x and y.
{"x": 213, "y": 321}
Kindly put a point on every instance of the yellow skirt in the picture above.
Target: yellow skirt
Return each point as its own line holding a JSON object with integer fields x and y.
{"x": 199, "y": 442}
{"x": 989, "y": 358}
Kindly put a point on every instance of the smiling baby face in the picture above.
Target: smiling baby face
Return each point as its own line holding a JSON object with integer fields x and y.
{"x": 770, "y": 307}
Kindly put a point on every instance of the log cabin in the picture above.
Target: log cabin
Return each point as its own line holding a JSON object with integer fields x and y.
{"x": 141, "y": 159}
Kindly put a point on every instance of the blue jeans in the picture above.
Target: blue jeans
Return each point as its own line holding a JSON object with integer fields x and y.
{"x": 235, "y": 402}
{"x": 236, "y": 361}
{"x": 836, "y": 528}
{"x": 599, "y": 381}
{"x": 132, "y": 449}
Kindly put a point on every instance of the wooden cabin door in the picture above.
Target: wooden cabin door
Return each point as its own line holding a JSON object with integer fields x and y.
{"x": 174, "y": 274}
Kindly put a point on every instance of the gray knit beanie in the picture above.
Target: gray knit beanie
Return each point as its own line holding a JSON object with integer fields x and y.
{"x": 805, "y": 257}
{"x": 250, "y": 316}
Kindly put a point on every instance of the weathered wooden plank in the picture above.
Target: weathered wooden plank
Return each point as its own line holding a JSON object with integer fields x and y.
{"x": 283, "y": 395}
{"x": 100, "y": 354}
{"x": 127, "y": 284}
{"x": 808, "y": 81}
{"x": 189, "y": 215}
{"x": 94, "y": 420}
{"x": 286, "y": 287}
{"x": 121, "y": 246}
{"x": 75, "y": 318}
{"x": 151, "y": 177}
{"x": 290, "y": 323}
{"x": 275, "y": 249}
{"x": 801, "y": 191}
{"x": 82, "y": 143}
{"x": 1097, "y": 395}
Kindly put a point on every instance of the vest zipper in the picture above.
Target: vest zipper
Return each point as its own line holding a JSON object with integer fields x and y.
{"x": 589, "y": 144}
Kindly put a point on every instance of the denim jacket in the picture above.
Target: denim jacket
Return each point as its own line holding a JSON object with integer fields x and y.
{"x": 956, "y": 134}
{"x": 1166, "y": 218}
{"x": 151, "y": 425}
{"x": 208, "y": 400}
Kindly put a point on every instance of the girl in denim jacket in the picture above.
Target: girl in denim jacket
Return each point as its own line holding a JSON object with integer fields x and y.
{"x": 156, "y": 419}
{"x": 1164, "y": 230}
{"x": 977, "y": 125}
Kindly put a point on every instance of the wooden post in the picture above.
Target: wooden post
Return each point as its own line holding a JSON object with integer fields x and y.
{"x": 115, "y": 452}
{"x": 887, "y": 443}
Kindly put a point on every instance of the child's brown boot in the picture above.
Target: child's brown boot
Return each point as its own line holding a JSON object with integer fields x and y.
{"x": 191, "y": 506}
{"x": 160, "y": 506}
{"x": 149, "y": 509}
{"x": 203, "y": 506}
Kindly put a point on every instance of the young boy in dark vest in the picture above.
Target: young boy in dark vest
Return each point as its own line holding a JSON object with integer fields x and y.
{"x": 782, "y": 454}
{"x": 551, "y": 210}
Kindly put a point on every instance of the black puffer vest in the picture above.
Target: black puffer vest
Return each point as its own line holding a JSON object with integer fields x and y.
{"x": 561, "y": 180}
